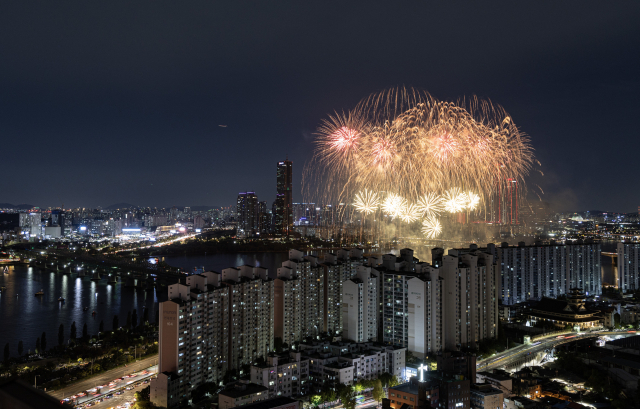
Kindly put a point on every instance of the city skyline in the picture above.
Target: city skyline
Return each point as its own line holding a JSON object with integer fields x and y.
{"x": 102, "y": 117}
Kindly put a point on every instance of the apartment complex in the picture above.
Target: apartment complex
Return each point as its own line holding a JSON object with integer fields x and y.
{"x": 346, "y": 362}
{"x": 545, "y": 270}
{"x": 380, "y": 305}
{"x": 216, "y": 322}
{"x": 448, "y": 305}
{"x": 628, "y": 266}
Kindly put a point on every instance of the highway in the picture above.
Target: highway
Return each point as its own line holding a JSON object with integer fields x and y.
{"x": 518, "y": 353}
{"x": 106, "y": 377}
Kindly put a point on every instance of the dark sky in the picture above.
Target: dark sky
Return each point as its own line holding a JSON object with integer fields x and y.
{"x": 107, "y": 102}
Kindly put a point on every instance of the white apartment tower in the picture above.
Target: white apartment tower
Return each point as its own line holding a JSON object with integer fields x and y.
{"x": 425, "y": 307}
{"x": 360, "y": 306}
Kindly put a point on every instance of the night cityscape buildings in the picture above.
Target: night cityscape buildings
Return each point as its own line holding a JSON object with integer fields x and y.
{"x": 461, "y": 229}
{"x": 283, "y": 213}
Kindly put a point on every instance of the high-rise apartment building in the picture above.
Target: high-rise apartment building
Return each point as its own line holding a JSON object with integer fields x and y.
{"x": 448, "y": 305}
{"x": 470, "y": 300}
{"x": 299, "y": 298}
{"x": 425, "y": 306}
{"x": 214, "y": 323}
{"x": 546, "y": 270}
{"x": 193, "y": 339}
{"x": 251, "y": 311}
{"x": 360, "y": 306}
{"x": 284, "y": 199}
{"x": 247, "y": 210}
{"x": 628, "y": 266}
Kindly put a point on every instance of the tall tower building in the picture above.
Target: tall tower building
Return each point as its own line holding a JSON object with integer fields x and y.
{"x": 247, "y": 214}
{"x": 284, "y": 199}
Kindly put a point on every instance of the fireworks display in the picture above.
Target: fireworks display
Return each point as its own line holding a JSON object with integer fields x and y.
{"x": 414, "y": 157}
{"x": 366, "y": 202}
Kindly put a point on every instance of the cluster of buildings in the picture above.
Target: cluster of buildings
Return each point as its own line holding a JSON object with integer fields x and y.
{"x": 372, "y": 308}
{"x": 39, "y": 224}
{"x": 545, "y": 269}
{"x": 254, "y": 218}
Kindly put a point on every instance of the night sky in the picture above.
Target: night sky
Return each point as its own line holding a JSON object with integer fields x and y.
{"x": 108, "y": 102}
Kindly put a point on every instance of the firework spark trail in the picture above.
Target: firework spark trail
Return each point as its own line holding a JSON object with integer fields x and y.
{"x": 409, "y": 213}
{"x": 454, "y": 200}
{"x": 430, "y": 205}
{"x": 366, "y": 202}
{"x": 431, "y": 227}
{"x": 393, "y": 205}
{"x": 403, "y": 143}
{"x": 472, "y": 200}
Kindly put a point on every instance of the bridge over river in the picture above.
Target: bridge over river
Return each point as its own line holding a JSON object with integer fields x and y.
{"x": 130, "y": 271}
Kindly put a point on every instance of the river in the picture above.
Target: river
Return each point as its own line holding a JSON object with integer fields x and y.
{"x": 23, "y": 316}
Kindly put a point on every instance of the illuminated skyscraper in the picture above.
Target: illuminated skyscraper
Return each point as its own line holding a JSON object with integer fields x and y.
{"x": 284, "y": 199}
{"x": 247, "y": 214}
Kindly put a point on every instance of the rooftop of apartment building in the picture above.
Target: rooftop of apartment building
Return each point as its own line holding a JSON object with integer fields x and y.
{"x": 485, "y": 389}
{"x": 243, "y": 389}
{"x": 272, "y": 403}
{"x": 279, "y": 359}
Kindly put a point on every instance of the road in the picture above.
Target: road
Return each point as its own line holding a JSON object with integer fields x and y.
{"x": 104, "y": 378}
{"x": 511, "y": 355}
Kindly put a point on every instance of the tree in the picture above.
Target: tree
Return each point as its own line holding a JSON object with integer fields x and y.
{"x": 128, "y": 324}
{"x": 116, "y": 324}
{"x": 38, "y": 347}
{"x": 394, "y": 381}
{"x": 145, "y": 316}
{"x": 315, "y": 400}
{"x": 143, "y": 395}
{"x": 378, "y": 392}
{"x": 385, "y": 378}
{"x": 73, "y": 333}
{"x": 85, "y": 332}
{"x": 43, "y": 342}
{"x": 61, "y": 335}
{"x": 134, "y": 318}
{"x": 20, "y": 348}
{"x": 410, "y": 358}
{"x": 157, "y": 316}
{"x": 6, "y": 353}
{"x": 328, "y": 394}
{"x": 347, "y": 397}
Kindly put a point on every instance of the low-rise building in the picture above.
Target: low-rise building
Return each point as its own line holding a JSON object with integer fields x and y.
{"x": 485, "y": 396}
{"x": 283, "y": 375}
{"x": 500, "y": 381}
{"x": 242, "y": 394}
{"x": 346, "y": 362}
{"x": 281, "y": 402}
